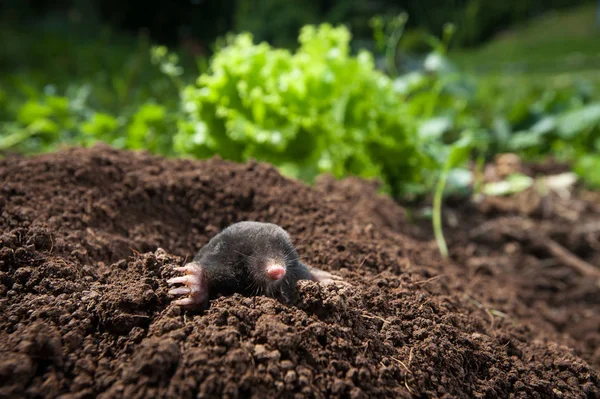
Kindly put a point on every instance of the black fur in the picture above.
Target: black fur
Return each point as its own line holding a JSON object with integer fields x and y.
{"x": 235, "y": 261}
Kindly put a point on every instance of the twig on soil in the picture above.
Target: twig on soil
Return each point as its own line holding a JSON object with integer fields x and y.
{"x": 368, "y": 316}
{"x": 489, "y": 312}
{"x": 424, "y": 303}
{"x": 498, "y": 313}
{"x": 522, "y": 229}
{"x": 366, "y": 345}
{"x": 587, "y": 228}
{"x": 568, "y": 258}
{"x": 405, "y": 376}
{"x": 407, "y": 387}
{"x": 363, "y": 262}
{"x": 402, "y": 363}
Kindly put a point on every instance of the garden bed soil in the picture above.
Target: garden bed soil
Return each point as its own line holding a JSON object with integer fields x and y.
{"x": 90, "y": 236}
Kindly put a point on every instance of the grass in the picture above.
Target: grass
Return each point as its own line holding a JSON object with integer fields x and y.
{"x": 553, "y": 44}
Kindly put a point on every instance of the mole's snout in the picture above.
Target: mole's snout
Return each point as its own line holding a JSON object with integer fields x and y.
{"x": 275, "y": 271}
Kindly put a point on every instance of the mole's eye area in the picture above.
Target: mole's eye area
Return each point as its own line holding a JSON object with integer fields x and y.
{"x": 275, "y": 270}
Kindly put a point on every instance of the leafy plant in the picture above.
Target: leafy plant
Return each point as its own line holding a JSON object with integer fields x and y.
{"x": 321, "y": 108}
{"x": 315, "y": 110}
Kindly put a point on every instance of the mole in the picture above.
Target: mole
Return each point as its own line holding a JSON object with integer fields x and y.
{"x": 250, "y": 258}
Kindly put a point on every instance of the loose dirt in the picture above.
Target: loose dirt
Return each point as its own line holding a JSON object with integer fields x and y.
{"x": 90, "y": 236}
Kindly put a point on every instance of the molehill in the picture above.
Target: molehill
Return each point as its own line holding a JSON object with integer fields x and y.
{"x": 90, "y": 236}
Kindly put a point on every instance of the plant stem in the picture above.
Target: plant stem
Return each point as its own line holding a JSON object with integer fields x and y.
{"x": 392, "y": 45}
{"x": 437, "y": 212}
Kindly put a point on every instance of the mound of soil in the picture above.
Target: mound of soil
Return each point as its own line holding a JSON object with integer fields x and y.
{"x": 89, "y": 238}
{"x": 541, "y": 250}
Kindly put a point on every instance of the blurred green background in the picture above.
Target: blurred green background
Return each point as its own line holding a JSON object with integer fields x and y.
{"x": 412, "y": 92}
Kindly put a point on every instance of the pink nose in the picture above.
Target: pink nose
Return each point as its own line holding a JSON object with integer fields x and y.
{"x": 275, "y": 272}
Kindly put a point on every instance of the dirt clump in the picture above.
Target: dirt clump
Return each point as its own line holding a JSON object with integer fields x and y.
{"x": 90, "y": 236}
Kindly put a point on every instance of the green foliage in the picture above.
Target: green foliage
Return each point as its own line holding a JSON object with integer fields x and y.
{"x": 567, "y": 41}
{"x": 315, "y": 110}
{"x": 387, "y": 37}
{"x": 87, "y": 89}
{"x": 320, "y": 108}
{"x": 588, "y": 167}
{"x": 536, "y": 122}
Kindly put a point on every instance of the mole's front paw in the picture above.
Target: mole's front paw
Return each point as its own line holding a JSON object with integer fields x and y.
{"x": 324, "y": 277}
{"x": 195, "y": 285}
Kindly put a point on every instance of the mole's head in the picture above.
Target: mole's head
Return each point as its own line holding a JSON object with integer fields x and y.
{"x": 271, "y": 258}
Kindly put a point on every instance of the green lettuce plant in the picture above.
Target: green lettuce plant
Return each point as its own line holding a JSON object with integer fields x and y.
{"x": 318, "y": 109}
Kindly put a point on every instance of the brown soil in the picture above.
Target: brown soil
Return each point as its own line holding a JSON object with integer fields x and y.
{"x": 89, "y": 238}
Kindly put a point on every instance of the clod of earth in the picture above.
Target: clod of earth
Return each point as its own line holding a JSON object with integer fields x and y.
{"x": 85, "y": 309}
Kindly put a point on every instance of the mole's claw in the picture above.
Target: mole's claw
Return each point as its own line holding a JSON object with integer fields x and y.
{"x": 185, "y": 302}
{"x": 180, "y": 291}
{"x": 176, "y": 280}
{"x": 187, "y": 280}
{"x": 324, "y": 277}
{"x": 196, "y": 285}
